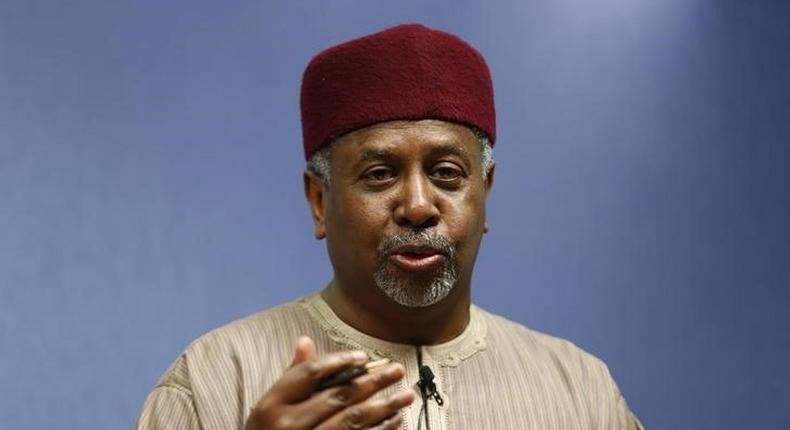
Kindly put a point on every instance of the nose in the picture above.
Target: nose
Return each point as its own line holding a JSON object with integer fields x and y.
{"x": 416, "y": 206}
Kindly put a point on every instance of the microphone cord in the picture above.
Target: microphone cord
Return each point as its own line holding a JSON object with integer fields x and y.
{"x": 422, "y": 413}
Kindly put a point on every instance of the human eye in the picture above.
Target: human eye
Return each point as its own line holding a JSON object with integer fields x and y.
{"x": 378, "y": 175}
{"x": 447, "y": 171}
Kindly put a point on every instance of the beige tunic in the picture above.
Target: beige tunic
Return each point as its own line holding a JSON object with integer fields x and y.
{"x": 496, "y": 375}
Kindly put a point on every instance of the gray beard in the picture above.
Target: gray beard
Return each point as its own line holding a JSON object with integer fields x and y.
{"x": 419, "y": 290}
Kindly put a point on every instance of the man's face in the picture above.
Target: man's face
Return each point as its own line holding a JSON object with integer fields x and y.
{"x": 405, "y": 210}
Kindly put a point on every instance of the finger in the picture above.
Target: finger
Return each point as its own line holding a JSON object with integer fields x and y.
{"x": 391, "y": 423}
{"x": 373, "y": 412}
{"x": 328, "y": 402}
{"x": 305, "y": 350}
{"x": 299, "y": 382}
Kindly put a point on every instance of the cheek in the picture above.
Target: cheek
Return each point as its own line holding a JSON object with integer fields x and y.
{"x": 358, "y": 221}
{"x": 465, "y": 214}
{"x": 465, "y": 221}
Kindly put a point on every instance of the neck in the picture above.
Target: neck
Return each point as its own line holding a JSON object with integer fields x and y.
{"x": 380, "y": 317}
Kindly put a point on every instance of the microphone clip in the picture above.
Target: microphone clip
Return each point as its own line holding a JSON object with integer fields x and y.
{"x": 427, "y": 386}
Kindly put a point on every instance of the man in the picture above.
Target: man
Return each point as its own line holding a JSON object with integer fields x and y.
{"x": 398, "y": 128}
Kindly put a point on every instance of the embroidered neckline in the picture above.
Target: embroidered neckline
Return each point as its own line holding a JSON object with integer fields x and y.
{"x": 447, "y": 354}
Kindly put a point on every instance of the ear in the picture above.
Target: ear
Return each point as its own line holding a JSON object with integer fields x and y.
{"x": 314, "y": 191}
{"x": 489, "y": 183}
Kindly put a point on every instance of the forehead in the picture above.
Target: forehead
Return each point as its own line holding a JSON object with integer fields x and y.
{"x": 407, "y": 137}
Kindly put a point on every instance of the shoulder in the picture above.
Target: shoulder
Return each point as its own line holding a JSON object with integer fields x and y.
{"x": 551, "y": 353}
{"x": 222, "y": 373}
{"x": 262, "y": 327}
{"x": 266, "y": 336}
{"x": 562, "y": 370}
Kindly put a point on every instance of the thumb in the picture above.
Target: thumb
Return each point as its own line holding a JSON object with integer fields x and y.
{"x": 305, "y": 350}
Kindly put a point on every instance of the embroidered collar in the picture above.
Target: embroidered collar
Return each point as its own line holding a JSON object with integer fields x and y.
{"x": 447, "y": 354}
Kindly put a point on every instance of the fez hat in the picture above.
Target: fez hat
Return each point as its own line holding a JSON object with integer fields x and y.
{"x": 407, "y": 72}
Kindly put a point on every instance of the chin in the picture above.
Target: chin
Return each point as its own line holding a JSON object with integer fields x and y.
{"x": 417, "y": 293}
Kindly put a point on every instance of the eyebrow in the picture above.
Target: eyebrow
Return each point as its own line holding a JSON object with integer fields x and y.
{"x": 376, "y": 154}
{"x": 435, "y": 151}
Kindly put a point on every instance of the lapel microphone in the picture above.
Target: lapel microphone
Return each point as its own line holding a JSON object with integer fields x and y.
{"x": 427, "y": 386}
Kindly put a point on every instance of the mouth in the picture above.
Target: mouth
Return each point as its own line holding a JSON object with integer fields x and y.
{"x": 415, "y": 258}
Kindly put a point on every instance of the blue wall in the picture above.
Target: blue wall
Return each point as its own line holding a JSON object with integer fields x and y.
{"x": 150, "y": 189}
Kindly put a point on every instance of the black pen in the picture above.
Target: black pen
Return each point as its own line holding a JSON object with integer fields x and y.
{"x": 347, "y": 375}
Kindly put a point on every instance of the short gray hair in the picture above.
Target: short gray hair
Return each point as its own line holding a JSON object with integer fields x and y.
{"x": 320, "y": 163}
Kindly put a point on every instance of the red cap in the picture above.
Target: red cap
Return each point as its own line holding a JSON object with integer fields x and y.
{"x": 408, "y": 72}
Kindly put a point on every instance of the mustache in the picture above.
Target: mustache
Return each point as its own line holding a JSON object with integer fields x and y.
{"x": 419, "y": 238}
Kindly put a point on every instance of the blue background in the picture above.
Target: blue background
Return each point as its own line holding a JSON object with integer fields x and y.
{"x": 150, "y": 190}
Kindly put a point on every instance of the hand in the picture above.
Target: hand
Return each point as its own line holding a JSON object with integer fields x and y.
{"x": 292, "y": 402}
